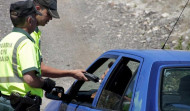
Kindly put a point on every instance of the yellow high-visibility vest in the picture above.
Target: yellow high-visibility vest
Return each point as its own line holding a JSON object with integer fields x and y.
{"x": 36, "y": 35}
{"x": 18, "y": 55}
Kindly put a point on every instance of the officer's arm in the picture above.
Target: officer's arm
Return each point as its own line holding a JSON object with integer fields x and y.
{"x": 31, "y": 79}
{"x": 55, "y": 73}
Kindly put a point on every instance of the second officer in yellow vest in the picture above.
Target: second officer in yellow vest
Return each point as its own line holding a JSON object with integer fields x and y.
{"x": 48, "y": 8}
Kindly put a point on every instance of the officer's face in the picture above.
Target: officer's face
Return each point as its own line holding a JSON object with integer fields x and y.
{"x": 45, "y": 18}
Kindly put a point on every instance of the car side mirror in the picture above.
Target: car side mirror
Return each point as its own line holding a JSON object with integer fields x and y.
{"x": 57, "y": 93}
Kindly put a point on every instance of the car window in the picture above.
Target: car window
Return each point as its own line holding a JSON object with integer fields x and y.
{"x": 175, "y": 92}
{"x": 87, "y": 91}
{"x": 98, "y": 72}
{"x": 126, "y": 102}
{"x": 113, "y": 92}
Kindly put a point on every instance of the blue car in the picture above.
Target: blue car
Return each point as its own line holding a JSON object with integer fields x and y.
{"x": 132, "y": 80}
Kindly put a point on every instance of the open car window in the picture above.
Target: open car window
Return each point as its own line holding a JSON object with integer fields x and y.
{"x": 175, "y": 91}
{"x": 87, "y": 91}
{"x": 87, "y": 86}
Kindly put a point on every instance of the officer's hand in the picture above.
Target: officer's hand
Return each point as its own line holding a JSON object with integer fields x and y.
{"x": 49, "y": 84}
{"x": 79, "y": 74}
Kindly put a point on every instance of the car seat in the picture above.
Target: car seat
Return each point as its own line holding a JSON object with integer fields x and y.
{"x": 124, "y": 75}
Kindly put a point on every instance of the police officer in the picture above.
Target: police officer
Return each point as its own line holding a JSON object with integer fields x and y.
{"x": 48, "y": 8}
{"x": 20, "y": 66}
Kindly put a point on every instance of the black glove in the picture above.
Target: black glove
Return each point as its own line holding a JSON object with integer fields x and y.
{"x": 57, "y": 93}
{"x": 48, "y": 85}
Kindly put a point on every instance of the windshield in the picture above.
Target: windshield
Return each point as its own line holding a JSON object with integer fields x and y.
{"x": 175, "y": 92}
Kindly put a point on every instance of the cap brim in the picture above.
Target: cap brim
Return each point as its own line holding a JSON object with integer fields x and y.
{"x": 54, "y": 13}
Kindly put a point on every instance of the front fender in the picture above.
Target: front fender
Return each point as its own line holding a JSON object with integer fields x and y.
{"x": 53, "y": 106}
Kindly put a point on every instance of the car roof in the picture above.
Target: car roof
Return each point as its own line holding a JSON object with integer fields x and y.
{"x": 157, "y": 54}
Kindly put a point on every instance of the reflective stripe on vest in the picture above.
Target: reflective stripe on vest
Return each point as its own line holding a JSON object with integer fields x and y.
{"x": 16, "y": 77}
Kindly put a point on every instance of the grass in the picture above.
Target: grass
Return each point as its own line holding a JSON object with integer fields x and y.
{"x": 179, "y": 46}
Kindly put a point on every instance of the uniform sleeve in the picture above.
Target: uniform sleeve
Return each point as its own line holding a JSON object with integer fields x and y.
{"x": 27, "y": 56}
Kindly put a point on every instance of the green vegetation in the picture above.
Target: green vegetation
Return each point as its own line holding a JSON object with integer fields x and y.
{"x": 179, "y": 46}
{"x": 188, "y": 46}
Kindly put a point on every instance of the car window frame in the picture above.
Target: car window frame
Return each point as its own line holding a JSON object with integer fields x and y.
{"x": 154, "y": 88}
{"x": 173, "y": 64}
{"x": 124, "y": 55}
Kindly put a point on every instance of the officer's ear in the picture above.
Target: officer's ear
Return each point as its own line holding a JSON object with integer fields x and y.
{"x": 29, "y": 20}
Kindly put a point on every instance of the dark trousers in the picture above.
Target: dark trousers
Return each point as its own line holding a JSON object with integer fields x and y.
{"x": 5, "y": 105}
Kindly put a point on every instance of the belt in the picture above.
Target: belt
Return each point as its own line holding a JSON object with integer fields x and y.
{"x": 5, "y": 96}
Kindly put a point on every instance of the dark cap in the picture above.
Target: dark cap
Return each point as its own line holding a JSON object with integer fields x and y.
{"x": 23, "y": 8}
{"x": 51, "y": 5}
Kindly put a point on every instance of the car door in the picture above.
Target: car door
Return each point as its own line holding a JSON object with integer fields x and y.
{"x": 84, "y": 93}
{"x": 90, "y": 96}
